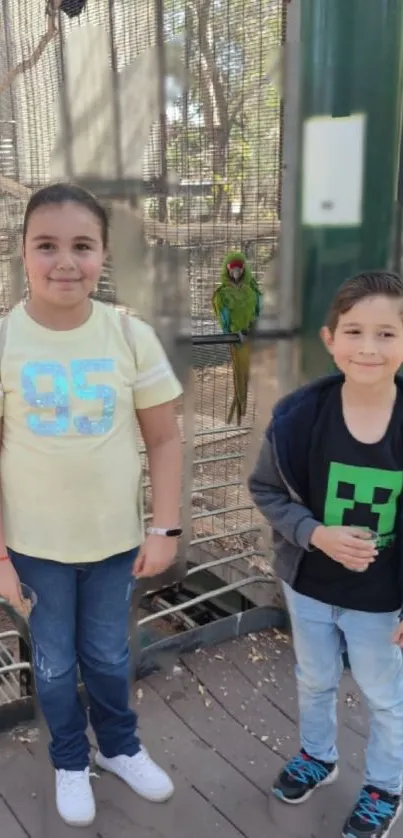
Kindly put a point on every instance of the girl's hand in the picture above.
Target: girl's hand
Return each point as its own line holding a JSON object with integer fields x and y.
{"x": 156, "y": 555}
{"x": 350, "y": 546}
{"x": 10, "y": 588}
{"x": 398, "y": 635}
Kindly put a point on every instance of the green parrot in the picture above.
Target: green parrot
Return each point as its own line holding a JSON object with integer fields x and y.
{"x": 236, "y": 304}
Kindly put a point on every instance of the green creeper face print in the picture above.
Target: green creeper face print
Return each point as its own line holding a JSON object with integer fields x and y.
{"x": 364, "y": 497}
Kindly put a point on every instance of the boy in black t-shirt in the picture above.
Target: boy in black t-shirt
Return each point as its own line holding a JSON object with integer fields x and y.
{"x": 329, "y": 479}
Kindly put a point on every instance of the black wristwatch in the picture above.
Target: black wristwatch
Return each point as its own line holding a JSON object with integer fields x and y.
{"x": 174, "y": 532}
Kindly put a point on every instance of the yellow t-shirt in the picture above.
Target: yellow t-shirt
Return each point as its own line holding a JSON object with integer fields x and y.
{"x": 70, "y": 469}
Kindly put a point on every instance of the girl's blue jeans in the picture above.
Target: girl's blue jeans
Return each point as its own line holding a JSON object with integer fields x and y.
{"x": 321, "y": 633}
{"x": 82, "y": 619}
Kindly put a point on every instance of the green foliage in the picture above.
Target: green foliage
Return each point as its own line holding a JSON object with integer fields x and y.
{"x": 227, "y": 128}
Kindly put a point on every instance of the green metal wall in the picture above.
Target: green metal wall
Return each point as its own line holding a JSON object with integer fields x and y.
{"x": 351, "y": 63}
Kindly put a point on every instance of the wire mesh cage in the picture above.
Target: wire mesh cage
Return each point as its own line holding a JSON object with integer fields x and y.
{"x": 213, "y": 133}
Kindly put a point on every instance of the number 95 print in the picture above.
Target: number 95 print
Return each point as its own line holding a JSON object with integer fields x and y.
{"x": 68, "y": 382}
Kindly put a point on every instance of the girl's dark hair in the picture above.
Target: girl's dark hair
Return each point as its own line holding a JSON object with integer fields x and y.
{"x": 357, "y": 288}
{"x": 63, "y": 193}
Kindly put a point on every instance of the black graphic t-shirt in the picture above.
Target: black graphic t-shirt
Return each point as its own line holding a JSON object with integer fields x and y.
{"x": 354, "y": 483}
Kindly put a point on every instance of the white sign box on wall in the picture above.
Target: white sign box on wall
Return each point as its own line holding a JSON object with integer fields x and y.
{"x": 333, "y": 171}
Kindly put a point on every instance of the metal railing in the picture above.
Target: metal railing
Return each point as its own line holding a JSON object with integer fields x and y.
{"x": 13, "y": 680}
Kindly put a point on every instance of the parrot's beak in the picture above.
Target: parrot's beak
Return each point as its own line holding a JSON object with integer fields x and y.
{"x": 235, "y": 273}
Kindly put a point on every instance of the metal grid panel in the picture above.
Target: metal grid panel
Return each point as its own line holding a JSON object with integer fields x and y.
{"x": 221, "y": 137}
{"x": 223, "y": 140}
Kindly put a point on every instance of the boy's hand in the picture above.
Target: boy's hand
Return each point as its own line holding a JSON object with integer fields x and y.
{"x": 350, "y": 546}
{"x": 397, "y": 636}
{"x": 156, "y": 555}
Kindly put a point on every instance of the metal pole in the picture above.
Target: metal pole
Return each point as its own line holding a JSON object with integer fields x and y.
{"x": 288, "y": 295}
{"x": 13, "y": 120}
{"x": 116, "y": 100}
{"x": 162, "y": 200}
{"x": 65, "y": 115}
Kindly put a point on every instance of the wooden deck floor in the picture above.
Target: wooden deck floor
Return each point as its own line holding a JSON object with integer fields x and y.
{"x": 221, "y": 721}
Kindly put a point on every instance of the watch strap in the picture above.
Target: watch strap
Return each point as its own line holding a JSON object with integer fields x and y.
{"x": 173, "y": 532}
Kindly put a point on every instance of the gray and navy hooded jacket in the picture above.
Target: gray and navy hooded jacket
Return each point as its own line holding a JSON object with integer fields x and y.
{"x": 279, "y": 481}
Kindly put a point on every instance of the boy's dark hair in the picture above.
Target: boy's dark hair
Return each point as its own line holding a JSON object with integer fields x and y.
{"x": 357, "y": 288}
{"x": 63, "y": 193}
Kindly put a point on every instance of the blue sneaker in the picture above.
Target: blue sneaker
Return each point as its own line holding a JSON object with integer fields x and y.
{"x": 301, "y": 776}
{"x": 374, "y": 814}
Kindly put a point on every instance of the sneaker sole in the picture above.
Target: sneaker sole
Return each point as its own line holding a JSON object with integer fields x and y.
{"x": 141, "y": 794}
{"x": 82, "y": 824}
{"x": 331, "y": 778}
{"x": 395, "y": 819}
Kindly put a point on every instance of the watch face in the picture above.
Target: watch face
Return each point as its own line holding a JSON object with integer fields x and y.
{"x": 175, "y": 532}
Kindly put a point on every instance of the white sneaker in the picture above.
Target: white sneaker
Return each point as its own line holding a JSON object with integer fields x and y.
{"x": 74, "y": 798}
{"x": 140, "y": 773}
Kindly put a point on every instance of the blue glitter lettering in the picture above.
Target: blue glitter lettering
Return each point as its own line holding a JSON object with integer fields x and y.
{"x": 94, "y": 392}
{"x": 56, "y": 399}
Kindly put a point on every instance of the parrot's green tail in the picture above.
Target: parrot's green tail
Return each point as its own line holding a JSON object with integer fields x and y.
{"x": 241, "y": 370}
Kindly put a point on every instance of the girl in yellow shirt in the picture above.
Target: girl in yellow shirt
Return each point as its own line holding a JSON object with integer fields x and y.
{"x": 72, "y": 385}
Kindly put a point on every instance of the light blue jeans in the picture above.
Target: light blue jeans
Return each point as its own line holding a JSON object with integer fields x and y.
{"x": 321, "y": 633}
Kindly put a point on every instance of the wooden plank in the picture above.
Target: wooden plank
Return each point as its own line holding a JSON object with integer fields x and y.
{"x": 267, "y": 661}
{"x": 328, "y": 808}
{"x": 243, "y": 702}
{"x": 150, "y": 708}
{"x": 20, "y": 784}
{"x": 222, "y": 773}
{"x": 221, "y": 729}
{"x": 228, "y": 789}
{"x": 28, "y": 788}
{"x": 249, "y": 703}
{"x": 10, "y": 828}
{"x": 120, "y": 808}
{"x": 121, "y": 814}
{"x": 27, "y": 784}
{"x": 206, "y": 718}
{"x": 255, "y": 712}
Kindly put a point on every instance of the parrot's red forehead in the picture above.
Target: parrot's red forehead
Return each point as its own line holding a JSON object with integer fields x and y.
{"x": 237, "y": 263}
